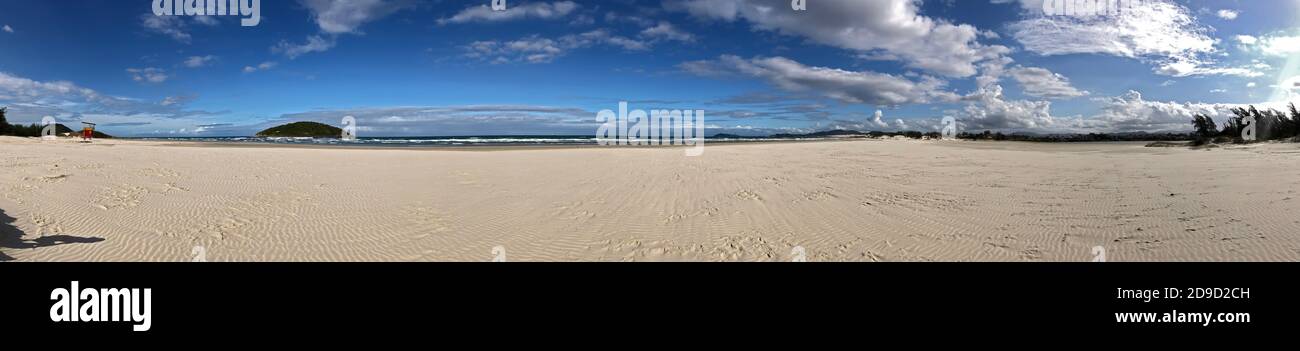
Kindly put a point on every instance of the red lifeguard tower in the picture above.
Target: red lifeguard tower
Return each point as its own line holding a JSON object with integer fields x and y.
{"x": 87, "y": 132}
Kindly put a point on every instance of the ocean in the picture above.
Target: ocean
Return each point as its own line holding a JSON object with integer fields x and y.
{"x": 486, "y": 140}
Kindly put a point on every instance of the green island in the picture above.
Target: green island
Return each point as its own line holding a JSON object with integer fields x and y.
{"x": 303, "y": 130}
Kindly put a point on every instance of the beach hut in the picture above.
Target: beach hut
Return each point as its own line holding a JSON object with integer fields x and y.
{"x": 87, "y": 131}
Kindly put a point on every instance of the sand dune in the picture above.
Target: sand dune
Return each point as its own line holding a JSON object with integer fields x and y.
{"x": 839, "y": 201}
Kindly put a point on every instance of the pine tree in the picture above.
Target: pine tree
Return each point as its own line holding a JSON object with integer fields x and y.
{"x": 5, "y": 129}
{"x": 1295, "y": 121}
{"x": 1205, "y": 128}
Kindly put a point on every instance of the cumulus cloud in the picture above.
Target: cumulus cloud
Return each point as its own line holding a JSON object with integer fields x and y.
{"x": 879, "y": 119}
{"x": 539, "y": 10}
{"x": 1160, "y": 32}
{"x": 148, "y": 75}
{"x": 988, "y": 109}
{"x": 7, "y": 29}
{"x": 886, "y": 29}
{"x": 900, "y": 124}
{"x": 991, "y": 71}
{"x": 1130, "y": 112}
{"x": 863, "y": 87}
{"x": 1040, "y": 82}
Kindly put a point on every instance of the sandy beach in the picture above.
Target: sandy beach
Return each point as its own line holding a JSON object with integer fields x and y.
{"x": 117, "y": 200}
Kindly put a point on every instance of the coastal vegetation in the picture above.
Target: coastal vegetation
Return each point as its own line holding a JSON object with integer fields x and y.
{"x": 34, "y": 129}
{"x": 997, "y": 136}
{"x": 1268, "y": 125}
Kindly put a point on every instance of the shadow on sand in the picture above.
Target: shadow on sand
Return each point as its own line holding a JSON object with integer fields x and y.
{"x": 12, "y": 238}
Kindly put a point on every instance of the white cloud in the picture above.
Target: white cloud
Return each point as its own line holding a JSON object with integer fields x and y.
{"x": 1197, "y": 68}
{"x": 176, "y": 27}
{"x": 1131, "y": 112}
{"x": 1228, "y": 14}
{"x": 199, "y": 61}
{"x": 601, "y": 36}
{"x": 536, "y": 49}
{"x": 28, "y": 100}
{"x": 665, "y": 30}
{"x": 347, "y": 16}
{"x": 315, "y": 43}
{"x": 1251, "y": 85}
{"x": 613, "y": 17}
{"x": 1027, "y": 5}
{"x": 337, "y": 17}
{"x": 1159, "y": 29}
{"x": 992, "y": 71}
{"x": 1159, "y": 32}
{"x": 207, "y": 20}
{"x": 1218, "y": 91}
{"x": 540, "y": 10}
{"x": 1289, "y": 89}
{"x": 172, "y": 26}
{"x": 531, "y": 49}
{"x": 885, "y": 29}
{"x": 1040, "y": 82}
{"x": 863, "y": 87}
{"x": 176, "y": 100}
{"x": 7, "y": 29}
{"x": 879, "y": 119}
{"x": 899, "y": 124}
{"x": 987, "y": 109}
{"x": 148, "y": 75}
{"x": 260, "y": 67}
{"x": 19, "y": 89}
{"x": 1126, "y": 113}
{"x": 1280, "y": 45}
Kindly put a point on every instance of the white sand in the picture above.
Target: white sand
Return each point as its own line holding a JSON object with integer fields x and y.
{"x": 840, "y": 201}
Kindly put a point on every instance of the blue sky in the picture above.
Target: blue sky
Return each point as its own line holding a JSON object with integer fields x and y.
{"x": 420, "y": 68}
